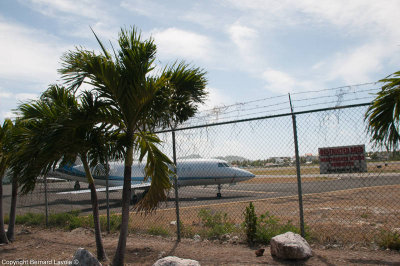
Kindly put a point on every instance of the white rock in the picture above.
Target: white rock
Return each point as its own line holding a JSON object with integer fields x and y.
{"x": 196, "y": 238}
{"x": 162, "y": 254}
{"x": 175, "y": 261}
{"x": 172, "y": 223}
{"x": 234, "y": 240}
{"x": 225, "y": 237}
{"x": 290, "y": 246}
{"x": 84, "y": 257}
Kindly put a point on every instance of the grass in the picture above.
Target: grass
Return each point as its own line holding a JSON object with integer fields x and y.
{"x": 68, "y": 220}
{"x": 314, "y": 169}
{"x": 158, "y": 231}
{"x": 215, "y": 224}
{"x": 388, "y": 239}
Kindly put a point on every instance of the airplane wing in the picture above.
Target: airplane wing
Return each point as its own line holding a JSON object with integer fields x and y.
{"x": 103, "y": 189}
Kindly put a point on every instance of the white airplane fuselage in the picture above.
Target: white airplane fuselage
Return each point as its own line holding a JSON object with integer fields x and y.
{"x": 190, "y": 172}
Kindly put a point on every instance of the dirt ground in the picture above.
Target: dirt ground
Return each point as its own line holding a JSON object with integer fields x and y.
{"x": 37, "y": 244}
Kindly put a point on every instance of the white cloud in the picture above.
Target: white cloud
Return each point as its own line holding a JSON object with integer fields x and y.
{"x": 28, "y": 54}
{"x": 351, "y": 16}
{"x": 85, "y": 8}
{"x": 281, "y": 82}
{"x": 9, "y": 115}
{"x": 144, "y": 7}
{"x": 5, "y": 95}
{"x": 26, "y": 96}
{"x": 174, "y": 42}
{"x": 214, "y": 99}
{"x": 278, "y": 81}
{"x": 358, "y": 64}
{"x": 244, "y": 37}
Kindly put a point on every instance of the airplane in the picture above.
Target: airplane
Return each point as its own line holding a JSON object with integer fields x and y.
{"x": 190, "y": 172}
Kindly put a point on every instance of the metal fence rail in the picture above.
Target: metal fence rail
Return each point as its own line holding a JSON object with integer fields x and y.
{"x": 337, "y": 208}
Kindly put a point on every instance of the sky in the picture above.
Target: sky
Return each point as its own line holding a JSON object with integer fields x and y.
{"x": 249, "y": 49}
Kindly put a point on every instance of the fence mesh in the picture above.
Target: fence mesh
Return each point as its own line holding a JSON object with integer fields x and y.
{"x": 339, "y": 208}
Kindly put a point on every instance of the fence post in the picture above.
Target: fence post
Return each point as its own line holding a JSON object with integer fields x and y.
{"x": 107, "y": 196}
{"x": 296, "y": 150}
{"x": 178, "y": 223}
{"x": 46, "y": 202}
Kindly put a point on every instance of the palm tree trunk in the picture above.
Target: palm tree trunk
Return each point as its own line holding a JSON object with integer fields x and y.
{"x": 3, "y": 236}
{"x": 101, "y": 254}
{"x": 126, "y": 197}
{"x": 13, "y": 208}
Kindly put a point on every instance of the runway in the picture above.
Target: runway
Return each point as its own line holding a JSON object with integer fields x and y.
{"x": 257, "y": 189}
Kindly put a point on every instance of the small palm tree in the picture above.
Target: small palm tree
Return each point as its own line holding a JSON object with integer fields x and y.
{"x": 384, "y": 113}
{"x": 58, "y": 129}
{"x": 5, "y": 131}
{"x": 124, "y": 78}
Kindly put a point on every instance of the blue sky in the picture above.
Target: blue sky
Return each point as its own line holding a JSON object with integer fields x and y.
{"x": 250, "y": 49}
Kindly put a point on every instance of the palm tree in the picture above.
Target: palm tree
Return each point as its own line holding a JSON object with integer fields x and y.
{"x": 384, "y": 113}
{"x": 58, "y": 128}
{"x": 5, "y": 132}
{"x": 125, "y": 79}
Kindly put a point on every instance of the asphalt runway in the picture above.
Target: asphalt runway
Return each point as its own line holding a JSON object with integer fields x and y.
{"x": 258, "y": 189}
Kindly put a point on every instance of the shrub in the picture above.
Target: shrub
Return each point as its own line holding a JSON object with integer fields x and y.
{"x": 158, "y": 231}
{"x": 30, "y": 219}
{"x": 250, "y": 223}
{"x": 262, "y": 229}
{"x": 187, "y": 231}
{"x": 216, "y": 224}
{"x": 388, "y": 239}
{"x": 68, "y": 220}
{"x": 268, "y": 226}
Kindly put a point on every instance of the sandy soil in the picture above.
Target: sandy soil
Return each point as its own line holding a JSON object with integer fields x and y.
{"x": 57, "y": 245}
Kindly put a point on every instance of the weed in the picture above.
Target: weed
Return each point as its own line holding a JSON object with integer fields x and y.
{"x": 30, "y": 219}
{"x": 216, "y": 224}
{"x": 388, "y": 239}
{"x": 187, "y": 231}
{"x": 158, "y": 231}
{"x": 250, "y": 223}
{"x": 365, "y": 215}
{"x": 262, "y": 229}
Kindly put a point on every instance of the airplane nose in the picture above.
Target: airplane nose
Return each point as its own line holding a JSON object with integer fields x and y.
{"x": 245, "y": 174}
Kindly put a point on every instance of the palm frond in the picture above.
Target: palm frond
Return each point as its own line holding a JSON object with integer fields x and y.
{"x": 157, "y": 169}
{"x": 384, "y": 113}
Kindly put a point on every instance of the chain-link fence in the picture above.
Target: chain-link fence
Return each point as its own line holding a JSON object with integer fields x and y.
{"x": 346, "y": 206}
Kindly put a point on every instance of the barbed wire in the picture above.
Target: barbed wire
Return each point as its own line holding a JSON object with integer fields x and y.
{"x": 267, "y": 105}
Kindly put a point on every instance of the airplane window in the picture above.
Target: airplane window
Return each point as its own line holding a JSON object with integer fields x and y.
{"x": 223, "y": 165}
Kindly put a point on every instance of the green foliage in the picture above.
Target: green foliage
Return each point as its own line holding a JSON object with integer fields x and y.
{"x": 187, "y": 231}
{"x": 250, "y": 223}
{"x": 383, "y": 115}
{"x": 69, "y": 220}
{"x": 158, "y": 231}
{"x": 388, "y": 239}
{"x": 31, "y": 219}
{"x": 262, "y": 229}
{"x": 216, "y": 224}
{"x": 268, "y": 226}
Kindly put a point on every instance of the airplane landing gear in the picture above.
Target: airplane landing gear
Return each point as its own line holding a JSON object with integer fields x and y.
{"x": 219, "y": 191}
{"x": 77, "y": 186}
{"x": 134, "y": 199}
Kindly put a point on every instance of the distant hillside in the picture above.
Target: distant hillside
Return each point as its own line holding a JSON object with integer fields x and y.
{"x": 232, "y": 158}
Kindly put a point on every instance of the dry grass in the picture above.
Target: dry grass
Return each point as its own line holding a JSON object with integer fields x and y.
{"x": 385, "y": 167}
{"x": 345, "y": 217}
